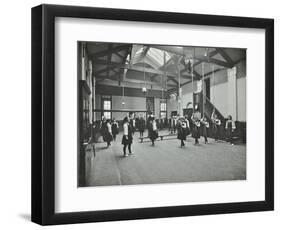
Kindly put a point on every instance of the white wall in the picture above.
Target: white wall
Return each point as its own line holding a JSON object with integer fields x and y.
{"x": 131, "y": 103}
{"x": 219, "y": 92}
{"x": 15, "y": 118}
{"x": 187, "y": 93}
{"x": 171, "y": 106}
{"x": 219, "y": 97}
{"x": 241, "y": 95}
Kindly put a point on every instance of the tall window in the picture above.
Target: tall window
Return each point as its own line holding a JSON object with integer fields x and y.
{"x": 106, "y": 106}
{"x": 163, "y": 109}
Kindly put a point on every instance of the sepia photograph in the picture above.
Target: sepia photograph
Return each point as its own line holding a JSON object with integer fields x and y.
{"x": 153, "y": 114}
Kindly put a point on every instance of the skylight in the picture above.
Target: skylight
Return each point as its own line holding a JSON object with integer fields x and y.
{"x": 157, "y": 56}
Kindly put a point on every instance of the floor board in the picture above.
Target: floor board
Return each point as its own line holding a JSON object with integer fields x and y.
{"x": 165, "y": 162}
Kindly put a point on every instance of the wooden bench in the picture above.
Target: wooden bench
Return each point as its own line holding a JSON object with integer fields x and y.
{"x": 161, "y": 137}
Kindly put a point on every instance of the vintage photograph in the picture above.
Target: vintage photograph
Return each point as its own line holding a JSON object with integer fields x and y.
{"x": 152, "y": 114}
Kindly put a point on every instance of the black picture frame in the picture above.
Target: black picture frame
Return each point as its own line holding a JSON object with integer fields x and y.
{"x": 43, "y": 114}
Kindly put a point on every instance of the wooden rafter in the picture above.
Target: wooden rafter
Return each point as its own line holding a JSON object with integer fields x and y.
{"x": 225, "y": 56}
{"x": 211, "y": 54}
{"x": 124, "y": 59}
{"x": 105, "y": 70}
{"x": 162, "y": 67}
{"x": 108, "y": 51}
{"x": 109, "y": 58}
{"x": 199, "y": 58}
{"x": 137, "y": 68}
{"x": 119, "y": 55}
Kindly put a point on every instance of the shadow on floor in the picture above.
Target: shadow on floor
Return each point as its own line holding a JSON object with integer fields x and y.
{"x": 25, "y": 216}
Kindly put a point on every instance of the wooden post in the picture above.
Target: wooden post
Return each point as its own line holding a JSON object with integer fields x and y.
{"x": 203, "y": 88}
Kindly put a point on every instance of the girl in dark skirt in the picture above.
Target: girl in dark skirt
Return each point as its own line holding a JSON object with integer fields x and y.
{"x": 103, "y": 127}
{"x": 132, "y": 123}
{"x": 141, "y": 126}
{"x": 152, "y": 131}
{"x": 205, "y": 128}
{"x": 115, "y": 130}
{"x": 182, "y": 130}
{"x": 229, "y": 126}
{"x": 216, "y": 125}
{"x": 127, "y": 139}
{"x": 107, "y": 137}
{"x": 196, "y": 118}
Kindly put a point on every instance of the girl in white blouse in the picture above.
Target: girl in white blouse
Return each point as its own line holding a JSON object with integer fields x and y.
{"x": 127, "y": 139}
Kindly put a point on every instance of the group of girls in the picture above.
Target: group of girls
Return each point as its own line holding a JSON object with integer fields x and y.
{"x": 200, "y": 125}
{"x": 109, "y": 129}
{"x": 203, "y": 123}
{"x": 184, "y": 126}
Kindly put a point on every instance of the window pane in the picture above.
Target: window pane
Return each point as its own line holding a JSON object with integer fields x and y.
{"x": 163, "y": 106}
{"x": 107, "y": 115}
{"x": 163, "y": 114}
{"x": 107, "y": 105}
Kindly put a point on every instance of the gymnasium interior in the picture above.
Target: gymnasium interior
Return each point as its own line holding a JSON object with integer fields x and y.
{"x": 118, "y": 80}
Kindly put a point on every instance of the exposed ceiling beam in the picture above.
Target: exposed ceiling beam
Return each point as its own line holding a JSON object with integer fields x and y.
{"x": 225, "y": 56}
{"x": 211, "y": 72}
{"x": 109, "y": 58}
{"x": 197, "y": 57}
{"x": 163, "y": 66}
{"x": 105, "y": 70}
{"x": 124, "y": 60}
{"x": 138, "y": 68}
{"x": 211, "y": 54}
{"x": 107, "y": 51}
{"x": 174, "y": 80}
{"x": 119, "y": 55}
{"x": 169, "y": 49}
{"x": 214, "y": 61}
{"x": 144, "y": 52}
{"x": 185, "y": 83}
{"x": 135, "y": 81}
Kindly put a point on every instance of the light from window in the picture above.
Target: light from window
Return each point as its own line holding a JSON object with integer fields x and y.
{"x": 163, "y": 114}
{"x": 107, "y": 106}
{"x": 107, "y": 115}
{"x": 163, "y": 106}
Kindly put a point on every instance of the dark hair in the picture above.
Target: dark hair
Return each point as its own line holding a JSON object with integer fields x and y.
{"x": 229, "y": 117}
{"x": 125, "y": 119}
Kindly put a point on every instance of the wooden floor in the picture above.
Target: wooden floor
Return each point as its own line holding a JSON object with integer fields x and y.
{"x": 165, "y": 162}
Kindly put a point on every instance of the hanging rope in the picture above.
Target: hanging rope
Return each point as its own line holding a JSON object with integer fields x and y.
{"x": 203, "y": 83}
{"x": 192, "y": 79}
{"x": 164, "y": 56}
{"x": 123, "y": 88}
{"x": 144, "y": 88}
{"x": 213, "y": 83}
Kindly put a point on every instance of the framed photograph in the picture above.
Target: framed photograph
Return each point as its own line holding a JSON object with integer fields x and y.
{"x": 143, "y": 114}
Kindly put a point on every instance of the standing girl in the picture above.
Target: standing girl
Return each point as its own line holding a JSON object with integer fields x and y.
{"x": 115, "y": 128}
{"x": 196, "y": 118}
{"x": 229, "y": 126}
{"x": 216, "y": 125}
{"x": 141, "y": 126}
{"x": 205, "y": 128}
{"x": 182, "y": 130}
{"x": 108, "y": 133}
{"x": 127, "y": 139}
{"x": 153, "y": 132}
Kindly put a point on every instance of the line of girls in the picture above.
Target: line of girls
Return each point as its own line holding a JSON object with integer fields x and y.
{"x": 129, "y": 124}
{"x": 110, "y": 128}
{"x": 129, "y": 128}
{"x": 198, "y": 121}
